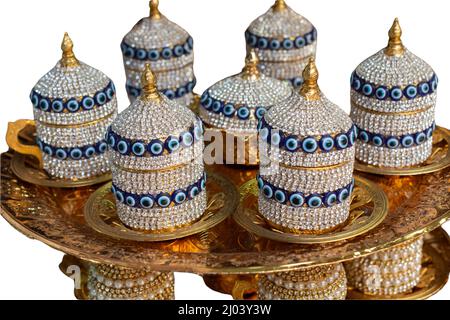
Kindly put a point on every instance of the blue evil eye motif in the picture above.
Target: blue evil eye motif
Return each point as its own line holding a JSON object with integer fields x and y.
{"x": 208, "y": 103}
{"x": 102, "y": 147}
{"x": 263, "y": 43}
{"x": 343, "y": 195}
{"x": 297, "y": 82}
{"x": 420, "y": 138}
{"x": 364, "y": 136}
{"x": 119, "y": 196}
{"x": 178, "y": 51}
{"x": 243, "y": 113}
{"x": 314, "y": 201}
{"x": 260, "y": 182}
{"x": 217, "y": 106}
{"x": 40, "y": 144}
{"x": 198, "y": 131}
{"x": 172, "y": 144}
{"x": 326, "y": 143}
{"x": 309, "y": 145}
{"x": 280, "y": 196}
{"x": 76, "y": 154}
{"x": 122, "y": 147}
{"x": 187, "y": 139}
{"x": 34, "y": 100}
{"x": 166, "y": 53}
{"x": 396, "y": 94}
{"x": 88, "y": 103}
{"x": 181, "y": 92}
{"x": 190, "y": 42}
{"x": 89, "y": 152}
{"x": 351, "y": 136}
{"x": 252, "y": 40}
{"x": 204, "y": 97}
{"x": 112, "y": 141}
{"x": 275, "y": 140}
{"x": 260, "y": 112}
{"x": 44, "y": 104}
{"x": 407, "y": 141}
{"x": 264, "y": 134}
{"x": 410, "y": 92}
{"x": 356, "y": 84}
{"x": 434, "y": 83}
{"x": 291, "y": 144}
{"x": 424, "y": 88}
{"x": 146, "y": 202}
{"x": 300, "y": 42}
{"x": 267, "y": 191}
{"x": 378, "y": 140}
{"x": 73, "y": 105}
{"x": 179, "y": 197}
{"x": 203, "y": 184}
{"x": 57, "y": 106}
{"x": 113, "y": 190}
{"x": 367, "y": 90}
{"x": 101, "y": 98}
{"x": 187, "y": 48}
{"x": 141, "y": 54}
{"x": 228, "y": 110}
{"x": 169, "y": 93}
{"x": 275, "y": 44}
{"x": 130, "y": 201}
{"x": 153, "y": 55}
{"x": 61, "y": 154}
{"x": 381, "y": 93}
{"x": 330, "y": 199}
{"x": 163, "y": 200}
{"x": 392, "y": 143}
{"x": 48, "y": 150}
{"x": 155, "y": 148}
{"x": 296, "y": 199}
{"x": 138, "y": 149}
{"x": 193, "y": 192}
{"x": 288, "y": 44}
{"x": 129, "y": 52}
{"x": 134, "y": 92}
{"x": 429, "y": 133}
{"x": 342, "y": 141}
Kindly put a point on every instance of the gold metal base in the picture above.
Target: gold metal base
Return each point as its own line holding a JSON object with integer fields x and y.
{"x": 439, "y": 159}
{"x": 100, "y": 213}
{"x": 368, "y": 209}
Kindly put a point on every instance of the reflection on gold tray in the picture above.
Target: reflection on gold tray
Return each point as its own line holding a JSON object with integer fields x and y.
{"x": 100, "y": 213}
{"x": 368, "y": 209}
{"x": 54, "y": 216}
{"x": 439, "y": 159}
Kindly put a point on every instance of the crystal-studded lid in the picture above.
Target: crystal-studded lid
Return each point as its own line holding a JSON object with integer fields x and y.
{"x": 394, "y": 73}
{"x": 71, "y": 79}
{"x": 237, "y": 103}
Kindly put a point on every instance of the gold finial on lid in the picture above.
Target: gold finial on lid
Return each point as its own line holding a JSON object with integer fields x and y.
{"x": 310, "y": 89}
{"x": 279, "y": 5}
{"x": 149, "y": 88}
{"x": 395, "y": 46}
{"x": 68, "y": 57}
{"x": 154, "y": 9}
{"x": 251, "y": 70}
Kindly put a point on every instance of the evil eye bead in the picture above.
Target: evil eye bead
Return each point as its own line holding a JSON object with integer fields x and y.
{"x": 392, "y": 143}
{"x": 410, "y": 92}
{"x": 57, "y": 106}
{"x": 129, "y": 52}
{"x": 326, "y": 143}
{"x": 280, "y": 196}
{"x": 228, "y": 110}
{"x": 88, "y": 103}
{"x": 134, "y": 92}
{"x": 122, "y": 147}
{"x": 260, "y": 112}
{"x": 300, "y": 42}
{"x": 407, "y": 141}
{"x": 179, "y": 197}
{"x": 163, "y": 200}
{"x": 34, "y": 100}
{"x": 434, "y": 83}
{"x": 193, "y": 192}
{"x": 263, "y": 43}
{"x": 44, "y": 104}
{"x": 204, "y": 97}
{"x": 252, "y": 40}
{"x": 288, "y": 44}
{"x": 330, "y": 199}
{"x": 119, "y": 196}
{"x": 73, "y": 105}
{"x": 76, "y": 153}
{"x": 48, "y": 150}
{"x": 377, "y": 140}
{"x": 275, "y": 140}
{"x": 178, "y": 51}
{"x": 267, "y": 191}
{"x": 243, "y": 113}
{"x": 190, "y": 86}
{"x": 343, "y": 195}
{"x": 141, "y": 54}
{"x": 309, "y": 145}
{"x": 130, "y": 201}
{"x": 291, "y": 144}
{"x": 429, "y": 133}
{"x": 190, "y": 42}
{"x": 314, "y": 201}
{"x": 112, "y": 141}
{"x": 186, "y": 48}
{"x": 198, "y": 133}
{"x": 275, "y": 44}
{"x": 203, "y": 184}
{"x": 260, "y": 182}
{"x": 264, "y": 133}
{"x": 217, "y": 106}
{"x": 356, "y": 84}
{"x": 172, "y": 144}
{"x": 40, "y": 145}
{"x": 89, "y": 152}
{"x": 296, "y": 200}
{"x": 169, "y": 94}
{"x": 297, "y": 82}
{"x": 153, "y": 55}
{"x": 181, "y": 92}
{"x": 138, "y": 149}
{"x": 351, "y": 136}
{"x": 381, "y": 93}
{"x": 166, "y": 53}
{"x": 424, "y": 88}
{"x": 109, "y": 93}
{"x": 100, "y": 98}
{"x": 396, "y": 94}
{"x": 367, "y": 90}
{"x": 309, "y": 38}
{"x": 208, "y": 103}
{"x": 146, "y": 202}
{"x": 61, "y": 154}
{"x": 155, "y": 148}
{"x": 420, "y": 138}
{"x": 113, "y": 190}
{"x": 102, "y": 147}
{"x": 342, "y": 141}
{"x": 364, "y": 136}
{"x": 187, "y": 139}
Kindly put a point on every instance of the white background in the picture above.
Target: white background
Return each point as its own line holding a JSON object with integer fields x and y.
{"x": 31, "y": 33}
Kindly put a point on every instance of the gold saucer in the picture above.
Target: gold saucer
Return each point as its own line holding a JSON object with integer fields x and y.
{"x": 439, "y": 159}
{"x": 100, "y": 213}
{"x": 368, "y": 209}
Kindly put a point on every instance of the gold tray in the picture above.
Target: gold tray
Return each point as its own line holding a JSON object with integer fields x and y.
{"x": 368, "y": 209}
{"x": 439, "y": 159}
{"x": 100, "y": 213}
{"x": 418, "y": 204}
